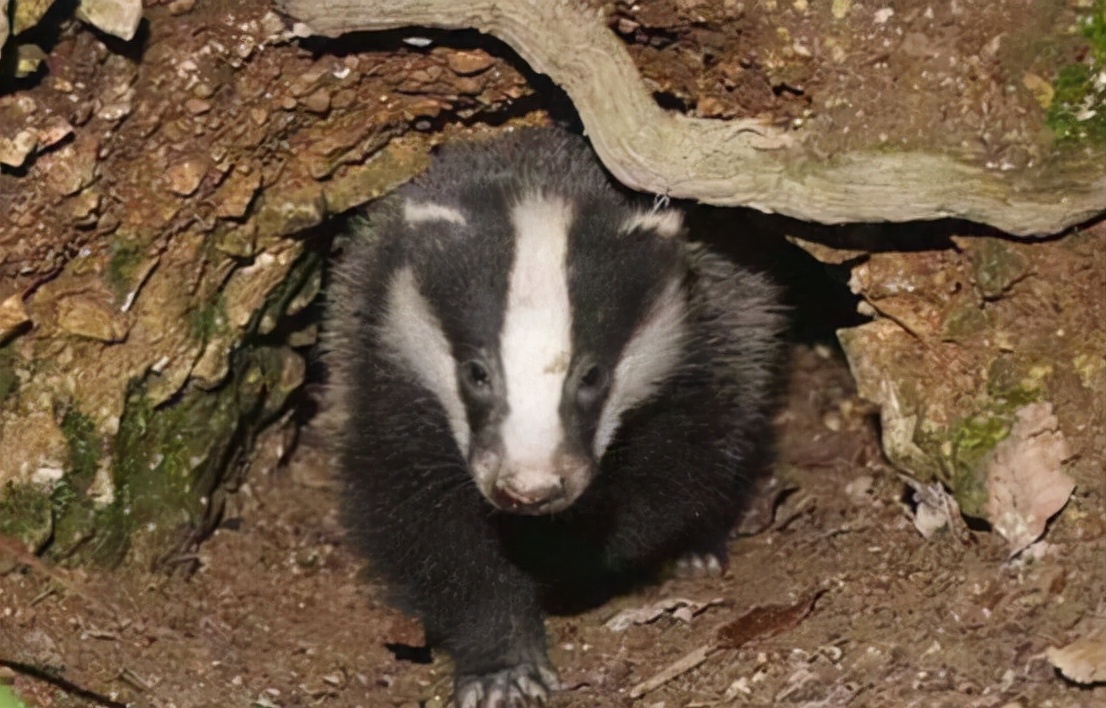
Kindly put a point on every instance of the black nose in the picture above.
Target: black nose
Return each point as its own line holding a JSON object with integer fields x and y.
{"x": 509, "y": 496}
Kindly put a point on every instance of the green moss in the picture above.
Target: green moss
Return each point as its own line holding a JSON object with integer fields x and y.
{"x": 84, "y": 445}
{"x": 1078, "y": 108}
{"x": 9, "y": 381}
{"x": 972, "y": 439}
{"x": 205, "y": 321}
{"x": 964, "y": 322}
{"x": 76, "y": 518}
{"x": 171, "y": 464}
{"x": 302, "y": 278}
{"x": 25, "y": 514}
{"x": 997, "y": 265}
{"x": 123, "y": 265}
{"x": 172, "y": 461}
{"x": 1012, "y": 384}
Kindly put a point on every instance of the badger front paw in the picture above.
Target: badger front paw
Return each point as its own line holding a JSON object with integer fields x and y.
{"x": 519, "y": 686}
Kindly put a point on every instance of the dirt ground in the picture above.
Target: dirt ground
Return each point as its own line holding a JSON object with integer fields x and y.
{"x": 847, "y": 604}
{"x": 832, "y": 597}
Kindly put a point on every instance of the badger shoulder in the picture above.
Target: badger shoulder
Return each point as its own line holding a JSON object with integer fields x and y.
{"x": 353, "y": 305}
{"x": 738, "y": 316}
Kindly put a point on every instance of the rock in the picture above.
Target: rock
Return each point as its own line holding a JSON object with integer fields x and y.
{"x": 27, "y": 14}
{"x": 89, "y": 317}
{"x": 467, "y": 63}
{"x": 14, "y": 150}
{"x": 69, "y": 169}
{"x": 53, "y": 131}
{"x": 29, "y": 58}
{"x": 236, "y": 194}
{"x": 13, "y": 316}
{"x": 318, "y": 101}
{"x": 4, "y": 28}
{"x": 185, "y": 177}
{"x": 119, "y": 18}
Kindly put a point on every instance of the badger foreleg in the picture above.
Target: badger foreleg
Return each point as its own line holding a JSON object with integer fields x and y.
{"x": 427, "y": 532}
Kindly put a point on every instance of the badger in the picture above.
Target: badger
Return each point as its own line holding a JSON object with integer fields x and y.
{"x": 538, "y": 385}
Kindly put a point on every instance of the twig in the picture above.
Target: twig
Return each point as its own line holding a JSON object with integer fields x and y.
{"x": 15, "y": 548}
{"x": 64, "y": 684}
{"x": 685, "y": 663}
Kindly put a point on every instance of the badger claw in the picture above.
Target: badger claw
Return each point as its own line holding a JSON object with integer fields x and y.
{"x": 698, "y": 565}
{"x": 520, "y": 686}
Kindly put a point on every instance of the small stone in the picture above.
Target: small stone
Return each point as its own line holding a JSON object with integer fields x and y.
{"x": 318, "y": 102}
{"x": 13, "y": 316}
{"x": 259, "y": 116}
{"x": 28, "y": 58}
{"x": 119, "y": 18}
{"x": 467, "y": 63}
{"x": 86, "y": 317}
{"x": 180, "y": 7}
{"x": 244, "y": 47}
{"x": 272, "y": 24}
{"x": 14, "y": 151}
{"x": 197, "y": 106}
{"x": 710, "y": 107}
{"x": 288, "y": 103}
{"x": 234, "y": 197}
{"x": 84, "y": 205}
{"x": 343, "y": 98}
{"x": 185, "y": 177}
{"x": 114, "y": 111}
{"x": 27, "y": 14}
{"x": 627, "y": 26}
{"x": 69, "y": 169}
{"x": 53, "y": 131}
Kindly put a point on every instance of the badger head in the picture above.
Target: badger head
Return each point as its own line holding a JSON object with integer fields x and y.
{"x": 537, "y": 312}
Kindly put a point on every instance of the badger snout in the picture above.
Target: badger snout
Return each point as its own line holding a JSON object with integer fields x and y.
{"x": 532, "y": 489}
{"x": 528, "y": 491}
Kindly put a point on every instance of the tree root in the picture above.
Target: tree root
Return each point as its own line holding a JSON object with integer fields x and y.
{"x": 730, "y": 163}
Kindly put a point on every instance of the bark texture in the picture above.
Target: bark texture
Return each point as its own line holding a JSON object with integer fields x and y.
{"x": 734, "y": 163}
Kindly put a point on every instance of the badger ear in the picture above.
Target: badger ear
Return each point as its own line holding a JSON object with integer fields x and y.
{"x": 666, "y": 223}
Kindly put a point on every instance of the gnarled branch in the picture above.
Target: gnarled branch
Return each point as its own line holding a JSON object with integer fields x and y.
{"x": 731, "y": 163}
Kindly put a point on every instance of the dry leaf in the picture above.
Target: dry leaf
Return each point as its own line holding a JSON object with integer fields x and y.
{"x": 936, "y": 509}
{"x": 1025, "y": 484}
{"x": 766, "y": 622}
{"x": 680, "y": 608}
{"x": 1082, "y": 661}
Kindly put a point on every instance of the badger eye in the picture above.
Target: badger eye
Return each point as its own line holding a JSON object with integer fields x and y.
{"x": 476, "y": 374}
{"x": 594, "y": 377}
{"x": 591, "y": 384}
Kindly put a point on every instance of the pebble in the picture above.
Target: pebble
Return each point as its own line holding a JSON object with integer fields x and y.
{"x": 466, "y": 63}
{"x": 184, "y": 177}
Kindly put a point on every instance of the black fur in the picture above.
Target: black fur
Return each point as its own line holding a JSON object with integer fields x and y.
{"x": 672, "y": 481}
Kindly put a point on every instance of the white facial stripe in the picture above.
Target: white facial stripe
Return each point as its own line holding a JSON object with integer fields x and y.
{"x": 646, "y": 361}
{"x": 665, "y": 222}
{"x": 420, "y": 212}
{"x": 417, "y": 342}
{"x": 535, "y": 344}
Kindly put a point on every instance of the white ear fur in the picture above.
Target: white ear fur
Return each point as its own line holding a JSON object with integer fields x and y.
{"x": 668, "y": 223}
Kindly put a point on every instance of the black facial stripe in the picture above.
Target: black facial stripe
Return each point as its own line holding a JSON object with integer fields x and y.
{"x": 614, "y": 280}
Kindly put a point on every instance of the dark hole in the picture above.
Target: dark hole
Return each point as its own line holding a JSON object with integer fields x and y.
{"x": 406, "y": 652}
